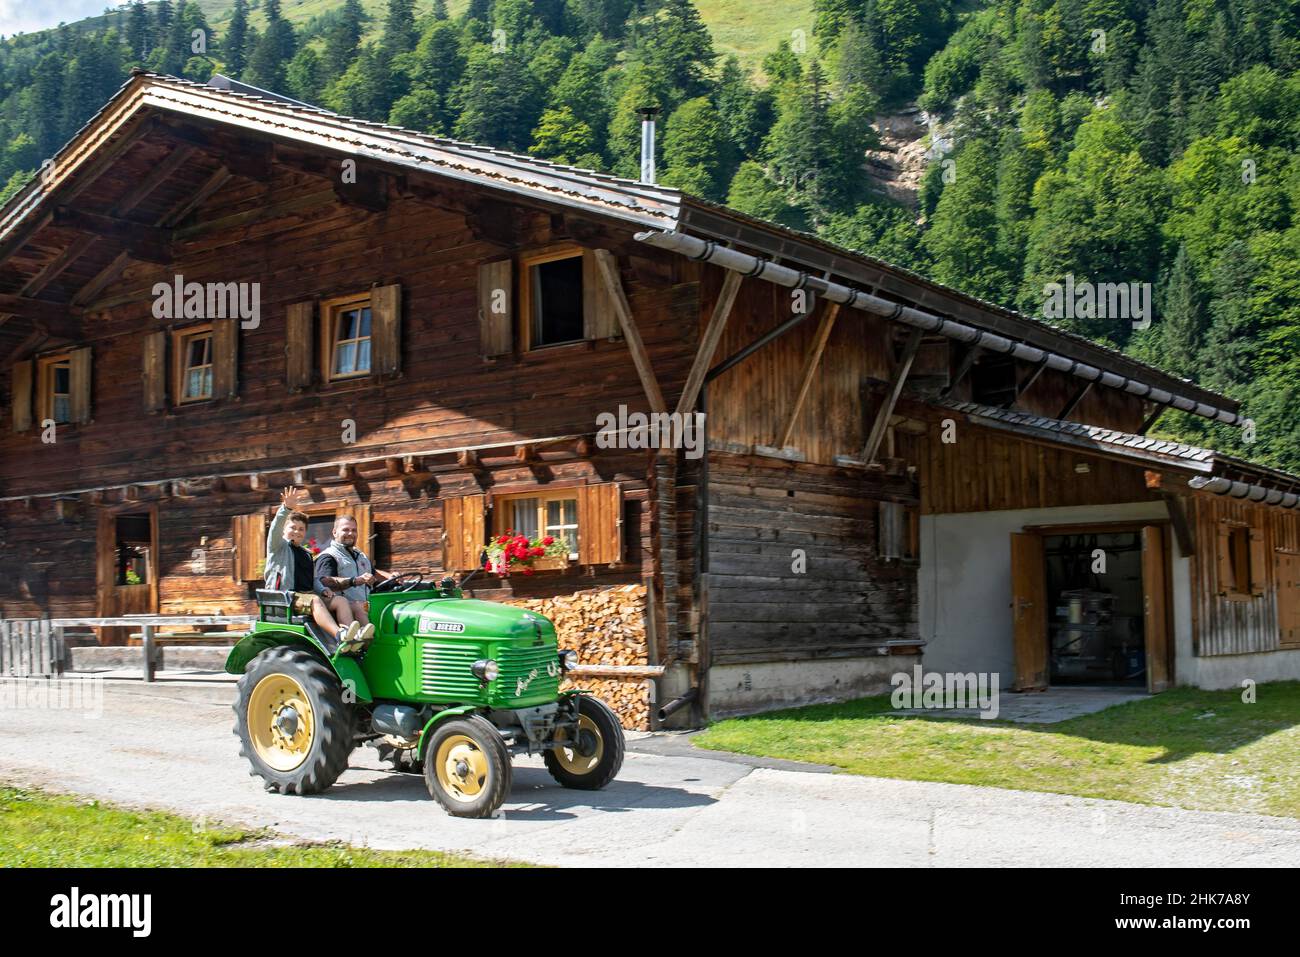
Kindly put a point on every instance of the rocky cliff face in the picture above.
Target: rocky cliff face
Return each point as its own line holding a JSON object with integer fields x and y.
{"x": 898, "y": 165}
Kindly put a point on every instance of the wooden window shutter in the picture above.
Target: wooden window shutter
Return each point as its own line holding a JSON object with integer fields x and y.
{"x": 1223, "y": 557}
{"x": 496, "y": 311}
{"x": 248, "y": 536}
{"x": 225, "y": 358}
{"x": 20, "y": 387}
{"x": 365, "y": 530}
{"x": 79, "y": 384}
{"x": 386, "y": 329}
{"x": 599, "y": 321}
{"x": 463, "y": 523}
{"x": 1288, "y": 598}
{"x": 298, "y": 345}
{"x": 1258, "y": 562}
{"x": 600, "y": 524}
{"x": 154, "y": 371}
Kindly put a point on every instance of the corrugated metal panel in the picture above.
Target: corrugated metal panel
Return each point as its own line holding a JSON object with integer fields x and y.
{"x": 537, "y": 667}
{"x": 445, "y": 670}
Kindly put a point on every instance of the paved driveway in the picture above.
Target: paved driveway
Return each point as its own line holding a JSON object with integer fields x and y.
{"x": 169, "y": 746}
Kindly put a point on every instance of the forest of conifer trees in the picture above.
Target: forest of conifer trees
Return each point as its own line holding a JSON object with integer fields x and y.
{"x": 1107, "y": 140}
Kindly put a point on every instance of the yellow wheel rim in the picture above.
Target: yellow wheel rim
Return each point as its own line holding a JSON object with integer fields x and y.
{"x": 573, "y": 761}
{"x": 462, "y": 767}
{"x": 281, "y": 723}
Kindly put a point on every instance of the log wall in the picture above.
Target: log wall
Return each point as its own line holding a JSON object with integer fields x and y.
{"x": 848, "y": 602}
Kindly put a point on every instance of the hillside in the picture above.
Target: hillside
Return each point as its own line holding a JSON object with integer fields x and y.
{"x": 1149, "y": 143}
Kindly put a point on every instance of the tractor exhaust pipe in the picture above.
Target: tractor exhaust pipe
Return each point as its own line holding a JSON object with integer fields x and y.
{"x": 678, "y": 703}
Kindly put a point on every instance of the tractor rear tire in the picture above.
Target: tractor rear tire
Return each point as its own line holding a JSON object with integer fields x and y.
{"x": 467, "y": 767}
{"x": 292, "y": 723}
{"x": 592, "y": 771}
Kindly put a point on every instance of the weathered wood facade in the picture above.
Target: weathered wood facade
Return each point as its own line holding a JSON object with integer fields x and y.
{"x": 786, "y": 563}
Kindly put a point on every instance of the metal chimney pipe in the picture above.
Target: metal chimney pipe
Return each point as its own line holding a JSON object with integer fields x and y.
{"x": 648, "y": 114}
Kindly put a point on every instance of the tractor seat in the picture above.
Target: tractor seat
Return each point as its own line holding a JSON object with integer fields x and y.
{"x": 277, "y": 606}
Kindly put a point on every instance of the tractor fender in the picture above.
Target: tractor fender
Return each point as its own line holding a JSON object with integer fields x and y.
{"x": 254, "y": 643}
{"x": 441, "y": 716}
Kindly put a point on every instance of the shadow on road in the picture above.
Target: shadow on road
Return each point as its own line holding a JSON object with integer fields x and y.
{"x": 534, "y": 795}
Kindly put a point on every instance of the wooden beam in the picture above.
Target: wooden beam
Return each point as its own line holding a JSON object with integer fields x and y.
{"x": 157, "y": 176}
{"x": 608, "y": 269}
{"x": 1029, "y": 380}
{"x": 55, "y": 267}
{"x": 105, "y": 157}
{"x": 1182, "y": 526}
{"x": 149, "y": 243}
{"x": 1151, "y": 419}
{"x": 91, "y": 290}
{"x": 52, "y": 315}
{"x": 891, "y": 397}
{"x": 495, "y": 222}
{"x": 963, "y": 369}
{"x": 200, "y": 196}
{"x": 141, "y": 191}
{"x": 811, "y": 361}
{"x": 709, "y": 342}
{"x": 250, "y": 158}
{"x": 369, "y": 192}
{"x": 1076, "y": 399}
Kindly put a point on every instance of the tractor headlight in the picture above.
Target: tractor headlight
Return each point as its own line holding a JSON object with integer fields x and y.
{"x": 485, "y": 669}
{"x": 568, "y": 660}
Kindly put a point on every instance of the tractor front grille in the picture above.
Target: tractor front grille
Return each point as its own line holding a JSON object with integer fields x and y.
{"x": 445, "y": 671}
{"x": 537, "y": 667}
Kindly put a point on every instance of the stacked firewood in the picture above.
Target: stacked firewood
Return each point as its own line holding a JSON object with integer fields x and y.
{"x": 605, "y": 626}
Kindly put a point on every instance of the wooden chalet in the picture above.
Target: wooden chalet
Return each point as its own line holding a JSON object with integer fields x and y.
{"x": 424, "y": 333}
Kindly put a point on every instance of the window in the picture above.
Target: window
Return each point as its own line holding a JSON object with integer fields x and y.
{"x": 346, "y": 328}
{"x": 553, "y": 299}
{"x": 193, "y": 376}
{"x": 54, "y": 387}
{"x": 134, "y": 540}
{"x": 536, "y": 516}
{"x": 1242, "y": 561}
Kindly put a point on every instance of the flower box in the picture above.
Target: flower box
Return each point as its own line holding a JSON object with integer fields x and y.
{"x": 511, "y": 553}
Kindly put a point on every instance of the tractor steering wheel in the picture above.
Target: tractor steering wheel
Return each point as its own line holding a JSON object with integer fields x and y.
{"x": 391, "y": 584}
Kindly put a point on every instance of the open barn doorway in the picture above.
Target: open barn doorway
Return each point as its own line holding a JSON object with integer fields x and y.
{"x": 1091, "y": 606}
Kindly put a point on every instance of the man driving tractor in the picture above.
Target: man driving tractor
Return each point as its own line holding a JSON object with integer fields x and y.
{"x": 289, "y": 568}
{"x": 344, "y": 568}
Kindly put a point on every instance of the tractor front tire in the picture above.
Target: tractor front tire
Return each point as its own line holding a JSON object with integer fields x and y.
{"x": 292, "y": 723}
{"x": 594, "y": 760}
{"x": 467, "y": 767}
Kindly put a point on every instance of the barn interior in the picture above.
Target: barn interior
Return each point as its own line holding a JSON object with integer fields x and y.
{"x": 1095, "y": 608}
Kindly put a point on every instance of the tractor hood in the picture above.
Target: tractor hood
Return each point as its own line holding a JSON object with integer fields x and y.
{"x": 469, "y": 618}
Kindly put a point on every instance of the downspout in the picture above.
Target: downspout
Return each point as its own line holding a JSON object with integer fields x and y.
{"x": 711, "y": 252}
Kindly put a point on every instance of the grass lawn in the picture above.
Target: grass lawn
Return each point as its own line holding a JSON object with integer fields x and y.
{"x": 1186, "y": 748}
{"x": 48, "y": 830}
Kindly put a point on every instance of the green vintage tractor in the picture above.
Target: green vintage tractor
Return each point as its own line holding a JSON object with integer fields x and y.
{"x": 450, "y": 685}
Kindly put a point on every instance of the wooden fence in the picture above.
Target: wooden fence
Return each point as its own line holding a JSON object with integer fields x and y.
{"x": 30, "y": 646}
{"x": 35, "y": 646}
